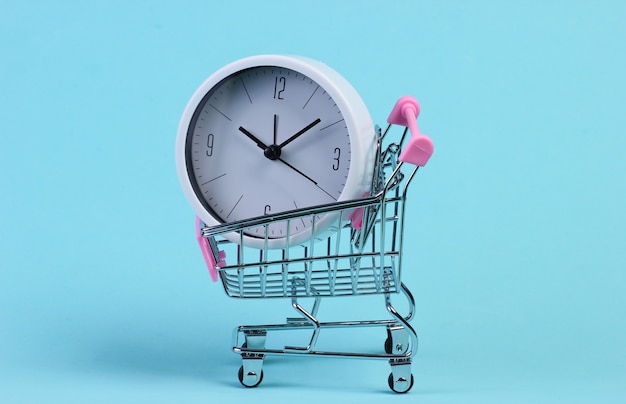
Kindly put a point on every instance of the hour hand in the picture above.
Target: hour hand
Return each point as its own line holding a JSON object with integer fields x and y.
{"x": 254, "y": 138}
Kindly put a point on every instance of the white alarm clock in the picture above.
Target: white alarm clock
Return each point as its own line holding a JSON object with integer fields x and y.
{"x": 274, "y": 133}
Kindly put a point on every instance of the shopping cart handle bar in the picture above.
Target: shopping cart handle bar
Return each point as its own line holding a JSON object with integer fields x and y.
{"x": 419, "y": 147}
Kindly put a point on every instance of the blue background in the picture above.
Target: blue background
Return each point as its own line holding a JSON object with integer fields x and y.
{"x": 517, "y": 250}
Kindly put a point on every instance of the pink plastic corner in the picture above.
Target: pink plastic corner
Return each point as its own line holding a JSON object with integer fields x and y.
{"x": 207, "y": 254}
{"x": 356, "y": 218}
{"x": 419, "y": 148}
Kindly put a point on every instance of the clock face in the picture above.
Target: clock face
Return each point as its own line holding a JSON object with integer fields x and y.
{"x": 265, "y": 140}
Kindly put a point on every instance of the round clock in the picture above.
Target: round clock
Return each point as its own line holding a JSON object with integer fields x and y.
{"x": 273, "y": 133}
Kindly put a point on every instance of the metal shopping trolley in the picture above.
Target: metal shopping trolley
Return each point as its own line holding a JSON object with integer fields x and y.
{"x": 362, "y": 255}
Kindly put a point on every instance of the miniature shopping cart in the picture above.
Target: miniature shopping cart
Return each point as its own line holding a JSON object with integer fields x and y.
{"x": 361, "y": 256}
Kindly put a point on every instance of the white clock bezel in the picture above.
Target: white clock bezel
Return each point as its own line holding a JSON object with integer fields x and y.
{"x": 357, "y": 118}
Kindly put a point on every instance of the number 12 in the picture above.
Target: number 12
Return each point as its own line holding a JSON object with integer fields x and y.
{"x": 279, "y": 82}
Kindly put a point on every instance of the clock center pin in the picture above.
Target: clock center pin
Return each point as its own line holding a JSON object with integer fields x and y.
{"x": 272, "y": 152}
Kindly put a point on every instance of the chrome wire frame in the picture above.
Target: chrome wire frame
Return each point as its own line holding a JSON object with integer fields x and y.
{"x": 350, "y": 261}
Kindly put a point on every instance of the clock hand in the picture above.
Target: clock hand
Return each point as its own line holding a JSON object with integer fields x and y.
{"x": 299, "y": 133}
{"x": 298, "y": 171}
{"x": 275, "y": 124}
{"x": 271, "y": 152}
{"x": 251, "y": 136}
{"x": 306, "y": 176}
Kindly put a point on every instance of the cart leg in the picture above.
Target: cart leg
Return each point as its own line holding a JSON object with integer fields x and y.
{"x": 401, "y": 341}
{"x": 400, "y": 379}
{"x": 397, "y": 342}
{"x": 254, "y": 339}
{"x": 251, "y": 372}
{"x": 307, "y": 318}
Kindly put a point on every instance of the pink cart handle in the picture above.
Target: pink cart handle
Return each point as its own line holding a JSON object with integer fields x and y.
{"x": 209, "y": 259}
{"x": 419, "y": 148}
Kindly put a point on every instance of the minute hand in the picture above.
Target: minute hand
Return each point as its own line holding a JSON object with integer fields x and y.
{"x": 299, "y": 133}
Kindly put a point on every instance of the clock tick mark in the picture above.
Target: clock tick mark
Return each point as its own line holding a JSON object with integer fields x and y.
{"x": 245, "y": 89}
{"x": 334, "y": 123}
{"x": 307, "y": 101}
{"x": 219, "y": 176}
{"x": 223, "y": 114}
{"x": 303, "y": 223}
{"x": 237, "y": 203}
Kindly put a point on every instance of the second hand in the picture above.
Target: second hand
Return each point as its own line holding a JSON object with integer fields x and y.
{"x": 307, "y": 177}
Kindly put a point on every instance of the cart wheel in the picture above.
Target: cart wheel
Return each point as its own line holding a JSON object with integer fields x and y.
{"x": 388, "y": 345}
{"x": 399, "y": 388}
{"x": 256, "y": 382}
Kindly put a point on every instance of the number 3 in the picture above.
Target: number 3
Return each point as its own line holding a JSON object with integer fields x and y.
{"x": 337, "y": 153}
